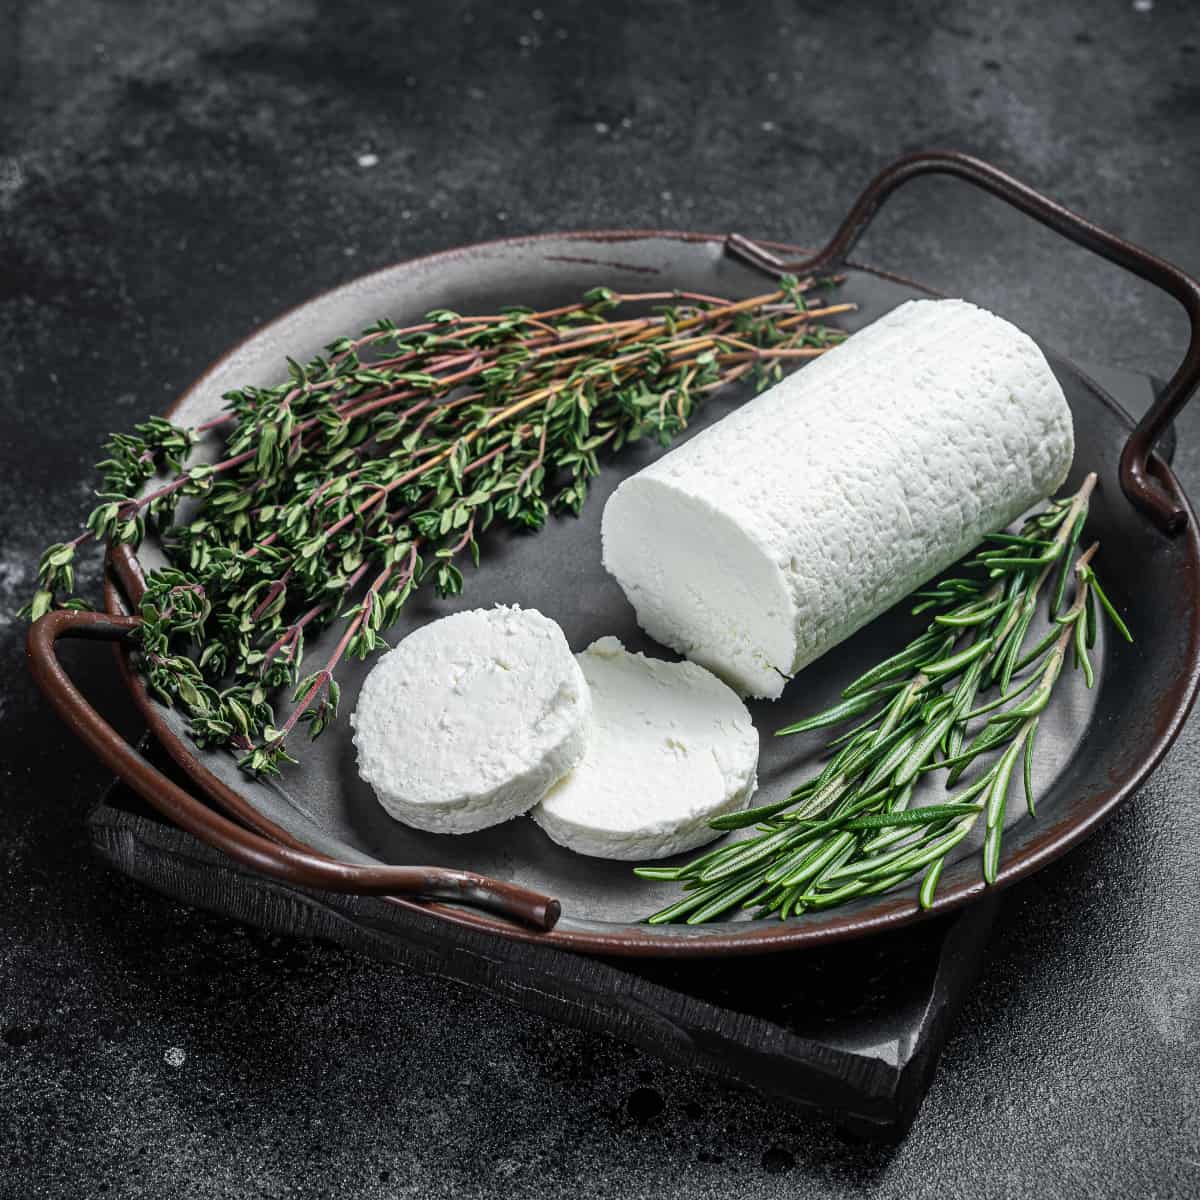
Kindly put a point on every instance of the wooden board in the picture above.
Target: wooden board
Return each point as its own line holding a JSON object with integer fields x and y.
{"x": 854, "y": 1030}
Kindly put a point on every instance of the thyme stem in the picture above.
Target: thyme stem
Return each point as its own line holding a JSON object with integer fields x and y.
{"x": 378, "y": 466}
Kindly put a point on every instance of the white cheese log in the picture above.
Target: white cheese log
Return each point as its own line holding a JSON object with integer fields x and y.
{"x": 775, "y": 534}
{"x": 671, "y": 747}
{"x": 470, "y": 719}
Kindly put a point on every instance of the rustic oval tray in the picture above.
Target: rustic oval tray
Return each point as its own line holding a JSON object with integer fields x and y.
{"x": 321, "y": 826}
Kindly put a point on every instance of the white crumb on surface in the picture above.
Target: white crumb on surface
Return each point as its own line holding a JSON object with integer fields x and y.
{"x": 470, "y": 719}
{"x": 175, "y": 1057}
{"x": 671, "y": 747}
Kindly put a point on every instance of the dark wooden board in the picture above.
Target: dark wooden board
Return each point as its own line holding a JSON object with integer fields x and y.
{"x": 854, "y": 1029}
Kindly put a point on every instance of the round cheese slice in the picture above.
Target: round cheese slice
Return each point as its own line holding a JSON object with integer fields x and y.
{"x": 771, "y": 536}
{"x": 671, "y": 747}
{"x": 470, "y": 719}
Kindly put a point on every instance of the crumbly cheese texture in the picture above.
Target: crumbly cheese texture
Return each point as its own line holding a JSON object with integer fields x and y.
{"x": 671, "y": 747}
{"x": 775, "y": 534}
{"x": 470, "y": 719}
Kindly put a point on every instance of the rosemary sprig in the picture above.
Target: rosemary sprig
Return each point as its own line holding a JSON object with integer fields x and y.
{"x": 377, "y": 466}
{"x": 850, "y": 831}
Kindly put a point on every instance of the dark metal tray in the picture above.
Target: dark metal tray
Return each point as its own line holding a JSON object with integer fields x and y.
{"x": 320, "y": 828}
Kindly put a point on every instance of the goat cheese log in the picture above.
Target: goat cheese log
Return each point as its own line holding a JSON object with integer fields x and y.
{"x": 776, "y": 533}
{"x": 671, "y": 747}
{"x": 470, "y": 719}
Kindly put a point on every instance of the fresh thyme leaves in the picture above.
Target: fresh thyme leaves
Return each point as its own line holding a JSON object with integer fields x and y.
{"x": 849, "y": 831}
{"x": 376, "y": 467}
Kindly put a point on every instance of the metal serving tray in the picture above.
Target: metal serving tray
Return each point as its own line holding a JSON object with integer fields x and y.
{"x": 319, "y": 827}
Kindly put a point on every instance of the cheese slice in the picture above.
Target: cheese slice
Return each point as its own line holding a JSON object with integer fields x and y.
{"x": 671, "y": 747}
{"x": 470, "y": 719}
{"x": 773, "y": 535}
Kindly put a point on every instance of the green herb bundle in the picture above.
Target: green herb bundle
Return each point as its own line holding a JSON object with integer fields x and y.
{"x": 376, "y": 468}
{"x": 850, "y": 831}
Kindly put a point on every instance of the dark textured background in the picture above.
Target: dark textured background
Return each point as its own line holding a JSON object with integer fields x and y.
{"x": 170, "y": 175}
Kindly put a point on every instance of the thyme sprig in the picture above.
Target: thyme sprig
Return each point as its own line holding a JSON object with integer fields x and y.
{"x": 376, "y": 467}
{"x": 850, "y": 831}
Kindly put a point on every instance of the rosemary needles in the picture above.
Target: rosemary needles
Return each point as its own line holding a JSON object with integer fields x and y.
{"x": 850, "y": 831}
{"x": 376, "y": 467}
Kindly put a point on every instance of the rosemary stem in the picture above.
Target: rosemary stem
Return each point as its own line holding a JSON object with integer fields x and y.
{"x": 852, "y": 831}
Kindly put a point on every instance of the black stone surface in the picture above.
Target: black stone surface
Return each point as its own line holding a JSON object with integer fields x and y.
{"x": 172, "y": 174}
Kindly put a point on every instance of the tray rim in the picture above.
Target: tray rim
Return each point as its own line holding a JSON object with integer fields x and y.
{"x": 883, "y": 912}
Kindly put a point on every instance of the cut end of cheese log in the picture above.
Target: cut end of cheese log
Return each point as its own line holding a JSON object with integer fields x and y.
{"x": 775, "y": 534}
{"x": 471, "y": 719}
{"x": 671, "y": 748}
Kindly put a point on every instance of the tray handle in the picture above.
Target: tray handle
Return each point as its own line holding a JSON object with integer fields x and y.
{"x": 241, "y": 844}
{"x": 1140, "y": 475}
